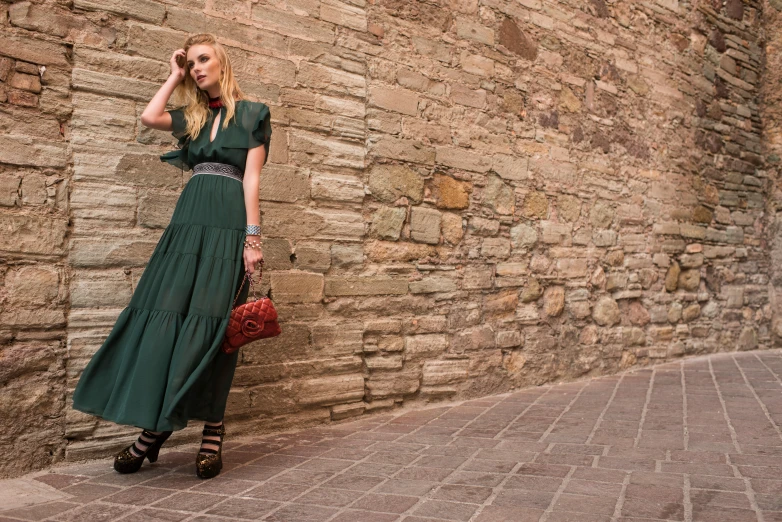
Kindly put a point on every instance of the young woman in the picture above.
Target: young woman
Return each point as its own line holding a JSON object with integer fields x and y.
{"x": 162, "y": 365}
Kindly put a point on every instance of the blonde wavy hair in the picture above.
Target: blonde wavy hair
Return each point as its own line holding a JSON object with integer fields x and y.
{"x": 195, "y": 100}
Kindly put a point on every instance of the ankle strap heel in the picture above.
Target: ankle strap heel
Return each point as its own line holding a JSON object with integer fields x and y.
{"x": 209, "y": 462}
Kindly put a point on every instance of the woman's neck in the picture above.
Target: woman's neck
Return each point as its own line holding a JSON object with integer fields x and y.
{"x": 215, "y": 103}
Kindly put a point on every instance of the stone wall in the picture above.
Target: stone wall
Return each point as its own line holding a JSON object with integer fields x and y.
{"x": 771, "y": 106}
{"x": 462, "y": 197}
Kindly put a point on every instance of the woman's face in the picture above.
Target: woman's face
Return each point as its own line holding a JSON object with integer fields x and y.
{"x": 204, "y": 66}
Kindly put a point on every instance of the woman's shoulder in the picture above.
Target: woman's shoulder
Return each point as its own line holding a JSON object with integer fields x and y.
{"x": 251, "y": 105}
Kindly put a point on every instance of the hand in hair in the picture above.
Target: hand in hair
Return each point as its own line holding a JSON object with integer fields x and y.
{"x": 178, "y": 60}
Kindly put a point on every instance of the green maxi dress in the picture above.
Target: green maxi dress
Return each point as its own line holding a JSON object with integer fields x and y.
{"x": 161, "y": 364}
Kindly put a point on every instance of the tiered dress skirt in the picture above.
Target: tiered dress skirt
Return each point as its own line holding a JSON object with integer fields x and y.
{"x": 162, "y": 365}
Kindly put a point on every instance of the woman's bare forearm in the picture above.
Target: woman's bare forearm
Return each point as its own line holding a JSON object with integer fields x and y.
{"x": 155, "y": 115}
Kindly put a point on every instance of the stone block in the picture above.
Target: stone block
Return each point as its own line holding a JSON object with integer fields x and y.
{"x": 297, "y": 287}
{"x": 474, "y": 338}
{"x": 353, "y": 16}
{"x": 34, "y": 190}
{"x": 477, "y": 278}
{"x": 337, "y": 339}
{"x": 692, "y": 231}
{"x": 425, "y": 225}
{"x": 391, "y": 182}
{"x": 366, "y": 285}
{"x": 689, "y": 280}
{"x": 460, "y": 158}
{"x": 453, "y": 230}
{"x": 535, "y": 206}
{"x": 155, "y": 209}
{"x": 514, "y": 269}
{"x": 512, "y": 168}
{"x": 32, "y": 49}
{"x": 387, "y": 222}
{"x": 387, "y": 251}
{"x": 118, "y": 86}
{"x": 606, "y": 312}
{"x": 433, "y": 284}
{"x": 31, "y": 234}
{"x": 30, "y": 286}
{"x": 523, "y": 236}
{"x": 142, "y": 170}
{"x": 145, "y": 10}
{"x": 384, "y": 362}
{"x": 26, "y": 151}
{"x": 96, "y": 289}
{"x": 322, "y": 391}
{"x": 555, "y": 233}
{"x": 509, "y": 339}
{"x": 404, "y": 150}
{"x": 498, "y": 196}
{"x": 105, "y": 252}
{"x": 380, "y": 385}
{"x": 601, "y": 215}
{"x": 337, "y": 187}
{"x": 463, "y": 95}
{"x": 9, "y": 189}
{"x": 532, "y": 291}
{"x": 477, "y": 64}
{"x": 450, "y": 193}
{"x": 319, "y": 76}
{"x": 343, "y": 256}
{"x": 25, "y": 82}
{"x": 445, "y": 372}
{"x": 277, "y": 254}
{"x": 345, "y": 411}
{"x": 304, "y": 223}
{"x": 495, "y": 247}
{"x": 483, "y": 227}
{"x": 115, "y": 203}
{"x": 312, "y": 256}
{"x": 398, "y": 100}
{"x": 672, "y": 277}
{"x": 472, "y": 30}
{"x": 313, "y": 148}
{"x": 427, "y": 346}
{"x": 284, "y": 183}
{"x": 691, "y": 312}
{"x": 554, "y": 301}
{"x": 572, "y": 268}
{"x": 604, "y": 238}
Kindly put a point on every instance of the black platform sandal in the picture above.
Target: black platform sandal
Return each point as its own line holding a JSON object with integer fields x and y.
{"x": 126, "y": 462}
{"x": 209, "y": 462}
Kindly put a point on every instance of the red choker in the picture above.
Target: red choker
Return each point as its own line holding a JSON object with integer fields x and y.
{"x": 215, "y": 103}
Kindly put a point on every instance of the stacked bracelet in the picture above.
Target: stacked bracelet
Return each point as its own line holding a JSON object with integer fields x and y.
{"x": 253, "y": 230}
{"x": 248, "y": 243}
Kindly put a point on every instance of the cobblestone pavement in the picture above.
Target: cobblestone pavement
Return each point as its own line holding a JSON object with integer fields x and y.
{"x": 697, "y": 439}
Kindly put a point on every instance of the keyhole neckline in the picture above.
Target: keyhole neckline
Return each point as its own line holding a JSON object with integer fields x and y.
{"x": 218, "y": 121}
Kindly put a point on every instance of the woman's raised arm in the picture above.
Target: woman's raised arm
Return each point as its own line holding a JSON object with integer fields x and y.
{"x": 155, "y": 115}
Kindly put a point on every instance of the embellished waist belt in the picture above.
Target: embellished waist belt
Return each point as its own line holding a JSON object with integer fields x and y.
{"x": 219, "y": 169}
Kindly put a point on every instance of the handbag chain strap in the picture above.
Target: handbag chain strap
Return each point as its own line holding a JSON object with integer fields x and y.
{"x": 248, "y": 277}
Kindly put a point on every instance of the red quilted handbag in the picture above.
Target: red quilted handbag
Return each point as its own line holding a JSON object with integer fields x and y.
{"x": 256, "y": 319}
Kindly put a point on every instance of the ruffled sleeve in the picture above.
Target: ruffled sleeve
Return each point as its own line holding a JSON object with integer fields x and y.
{"x": 178, "y": 157}
{"x": 253, "y": 128}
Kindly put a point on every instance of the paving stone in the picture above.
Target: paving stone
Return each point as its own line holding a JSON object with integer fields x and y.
{"x": 156, "y": 515}
{"x": 324, "y": 496}
{"x": 189, "y": 501}
{"x": 385, "y": 503}
{"x": 243, "y": 508}
{"x": 301, "y": 513}
{"x": 445, "y": 510}
{"x": 40, "y": 511}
